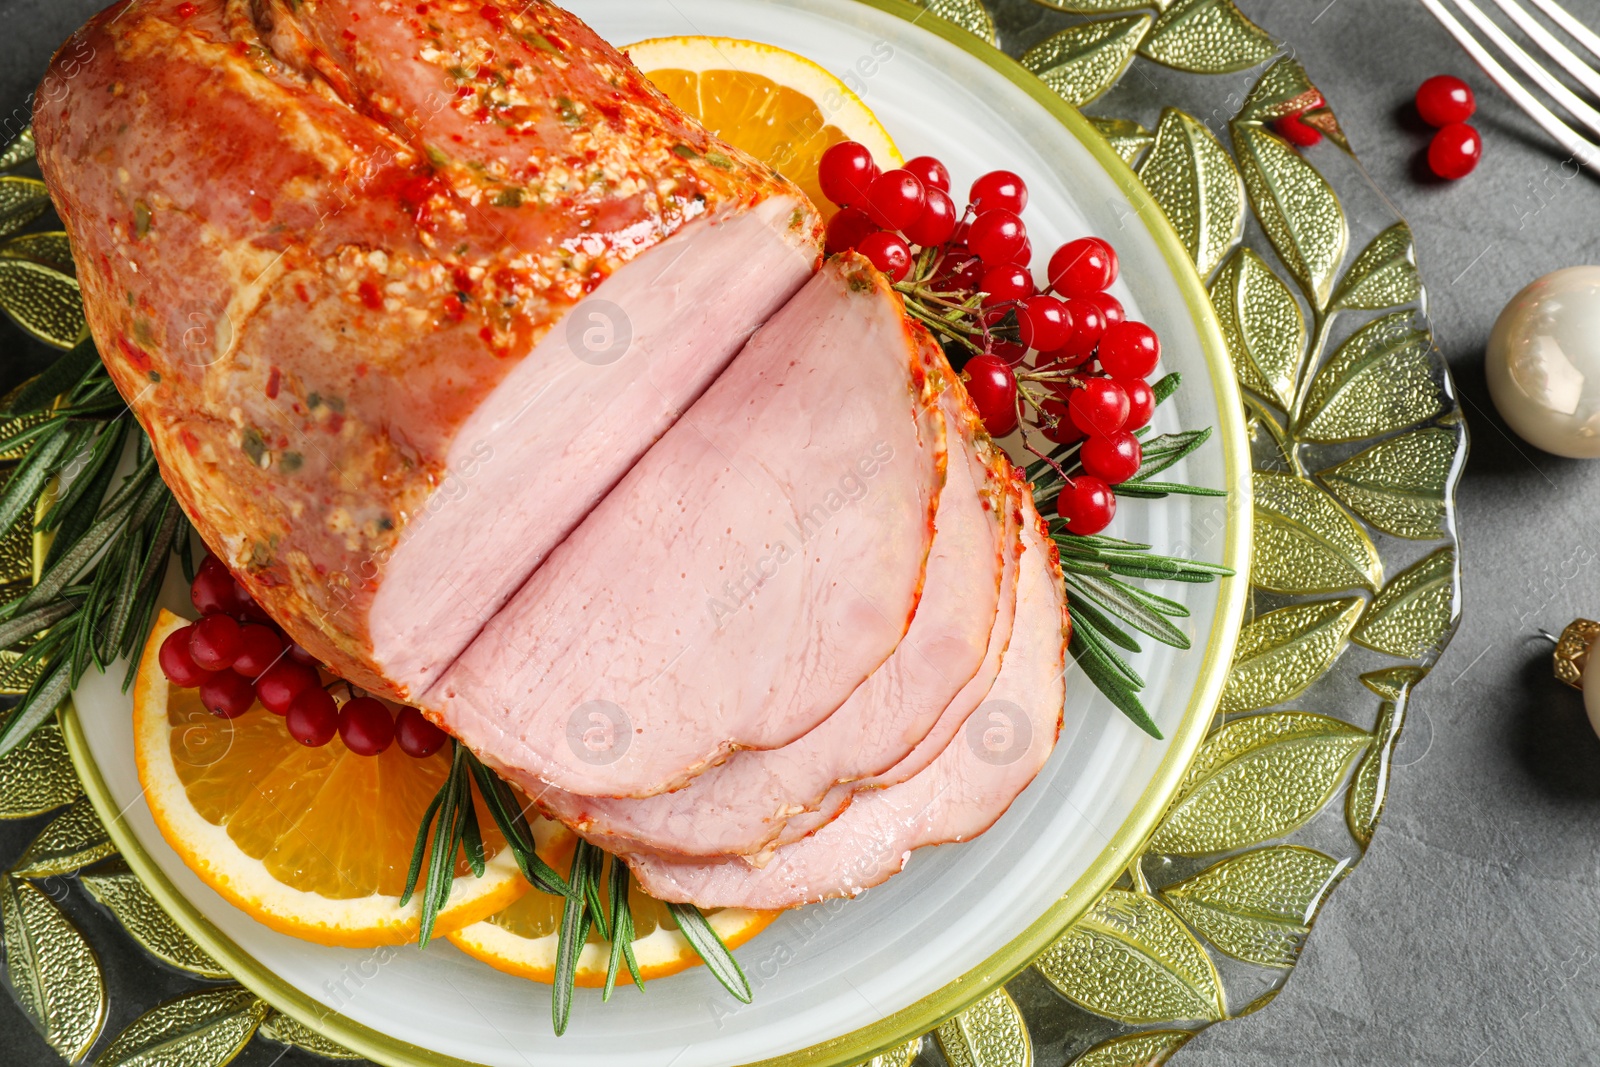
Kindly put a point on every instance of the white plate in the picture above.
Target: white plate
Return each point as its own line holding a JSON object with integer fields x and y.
{"x": 835, "y": 981}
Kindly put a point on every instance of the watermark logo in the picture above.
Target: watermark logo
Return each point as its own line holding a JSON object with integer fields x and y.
{"x": 999, "y": 733}
{"x": 202, "y": 739}
{"x": 599, "y": 332}
{"x": 599, "y": 732}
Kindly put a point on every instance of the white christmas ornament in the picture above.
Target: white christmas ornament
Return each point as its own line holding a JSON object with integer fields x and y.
{"x": 1544, "y": 363}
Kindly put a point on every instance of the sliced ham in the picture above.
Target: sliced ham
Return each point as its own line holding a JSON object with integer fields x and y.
{"x": 956, "y": 797}
{"x": 399, "y": 296}
{"x": 740, "y": 806}
{"x": 954, "y": 715}
{"x": 760, "y": 562}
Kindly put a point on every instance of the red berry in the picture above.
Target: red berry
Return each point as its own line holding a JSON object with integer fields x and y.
{"x": 176, "y": 662}
{"x": 1088, "y": 326}
{"x": 1141, "y": 403}
{"x": 1057, "y": 425}
{"x": 215, "y": 642}
{"x": 1110, "y": 307}
{"x": 1083, "y": 267}
{"x": 1294, "y": 129}
{"x": 365, "y": 726}
{"x": 1023, "y": 256}
{"x": 1087, "y": 505}
{"x": 1455, "y": 151}
{"x": 996, "y": 237}
{"x": 1059, "y": 360}
{"x": 313, "y": 717}
{"x": 1005, "y": 285}
{"x": 300, "y": 654}
{"x": 1045, "y": 323}
{"x": 259, "y": 648}
{"x": 845, "y": 173}
{"x": 936, "y": 223}
{"x": 213, "y": 591}
{"x": 993, "y": 388}
{"x": 895, "y": 199}
{"x": 227, "y": 695}
{"x": 1442, "y": 100}
{"x": 1130, "y": 350}
{"x": 930, "y": 172}
{"x": 1112, "y": 459}
{"x": 889, "y": 253}
{"x": 999, "y": 189}
{"x": 417, "y": 736}
{"x": 959, "y": 270}
{"x": 847, "y": 229}
{"x": 282, "y": 682}
{"x": 1099, "y": 407}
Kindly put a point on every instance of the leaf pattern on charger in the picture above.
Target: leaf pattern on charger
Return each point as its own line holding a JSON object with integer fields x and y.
{"x": 72, "y": 840}
{"x": 1257, "y": 906}
{"x": 1084, "y": 61}
{"x": 287, "y": 1030}
{"x": 1127, "y": 138}
{"x": 1369, "y": 788}
{"x": 1380, "y": 380}
{"x": 1383, "y": 276}
{"x": 1149, "y": 1049}
{"x": 991, "y": 1033}
{"x": 1305, "y": 543}
{"x": 1282, "y": 652}
{"x": 43, "y": 301}
{"x": 1207, "y": 37}
{"x": 37, "y": 777}
{"x": 1416, "y": 611}
{"x": 49, "y": 249}
{"x": 1132, "y": 959}
{"x": 119, "y": 890}
{"x": 970, "y": 15}
{"x": 1191, "y": 176}
{"x": 21, "y": 201}
{"x": 1263, "y": 325}
{"x": 1399, "y": 484}
{"x": 1296, "y": 207}
{"x": 52, "y": 970}
{"x": 204, "y": 1029}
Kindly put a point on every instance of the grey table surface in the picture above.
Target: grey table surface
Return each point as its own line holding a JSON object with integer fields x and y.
{"x": 1470, "y": 933}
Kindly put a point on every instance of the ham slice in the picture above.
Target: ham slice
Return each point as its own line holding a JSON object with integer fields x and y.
{"x": 740, "y": 806}
{"x": 956, "y": 797}
{"x": 399, "y": 295}
{"x": 760, "y": 562}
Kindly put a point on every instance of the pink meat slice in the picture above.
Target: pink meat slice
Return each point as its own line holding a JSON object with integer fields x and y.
{"x": 954, "y": 715}
{"x": 740, "y": 806}
{"x": 958, "y": 796}
{"x": 755, "y": 566}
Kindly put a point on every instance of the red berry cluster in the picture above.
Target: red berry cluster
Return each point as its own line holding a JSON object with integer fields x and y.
{"x": 1060, "y": 359}
{"x": 1446, "y": 103}
{"x": 235, "y": 655}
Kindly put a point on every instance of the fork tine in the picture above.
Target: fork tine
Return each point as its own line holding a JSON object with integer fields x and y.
{"x": 1530, "y": 66}
{"x": 1568, "y": 60}
{"x": 1575, "y": 29}
{"x": 1583, "y": 151}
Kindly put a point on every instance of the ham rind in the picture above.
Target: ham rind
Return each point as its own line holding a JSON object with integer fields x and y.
{"x": 362, "y": 271}
{"x": 954, "y": 715}
{"x": 760, "y": 562}
{"x": 740, "y": 806}
{"x": 958, "y": 796}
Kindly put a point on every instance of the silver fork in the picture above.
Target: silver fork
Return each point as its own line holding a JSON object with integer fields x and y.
{"x": 1583, "y": 150}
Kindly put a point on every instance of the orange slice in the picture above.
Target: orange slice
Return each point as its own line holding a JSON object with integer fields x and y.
{"x": 313, "y": 842}
{"x": 521, "y": 939}
{"x": 780, "y": 107}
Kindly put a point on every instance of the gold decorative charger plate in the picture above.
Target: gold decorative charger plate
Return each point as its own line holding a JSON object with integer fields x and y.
{"x": 1354, "y": 593}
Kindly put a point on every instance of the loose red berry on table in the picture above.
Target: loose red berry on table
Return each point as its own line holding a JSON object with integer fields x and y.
{"x": 416, "y": 735}
{"x": 1130, "y": 350}
{"x": 1294, "y": 129}
{"x": 1099, "y": 407}
{"x": 1056, "y": 424}
{"x": 930, "y": 172}
{"x": 1083, "y": 267}
{"x": 1044, "y": 322}
{"x": 1141, "y": 403}
{"x": 937, "y": 222}
{"x": 215, "y": 642}
{"x": 999, "y": 189}
{"x": 993, "y": 388}
{"x": 313, "y": 717}
{"x": 1455, "y": 151}
{"x": 895, "y": 199}
{"x": 227, "y": 695}
{"x": 1112, "y": 459}
{"x": 1005, "y": 285}
{"x": 282, "y": 682}
{"x": 845, "y": 173}
{"x": 259, "y": 648}
{"x": 1444, "y": 99}
{"x": 176, "y": 662}
{"x": 889, "y": 253}
{"x": 847, "y": 229}
{"x": 996, "y": 237}
{"x": 1087, "y": 505}
{"x": 365, "y": 726}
